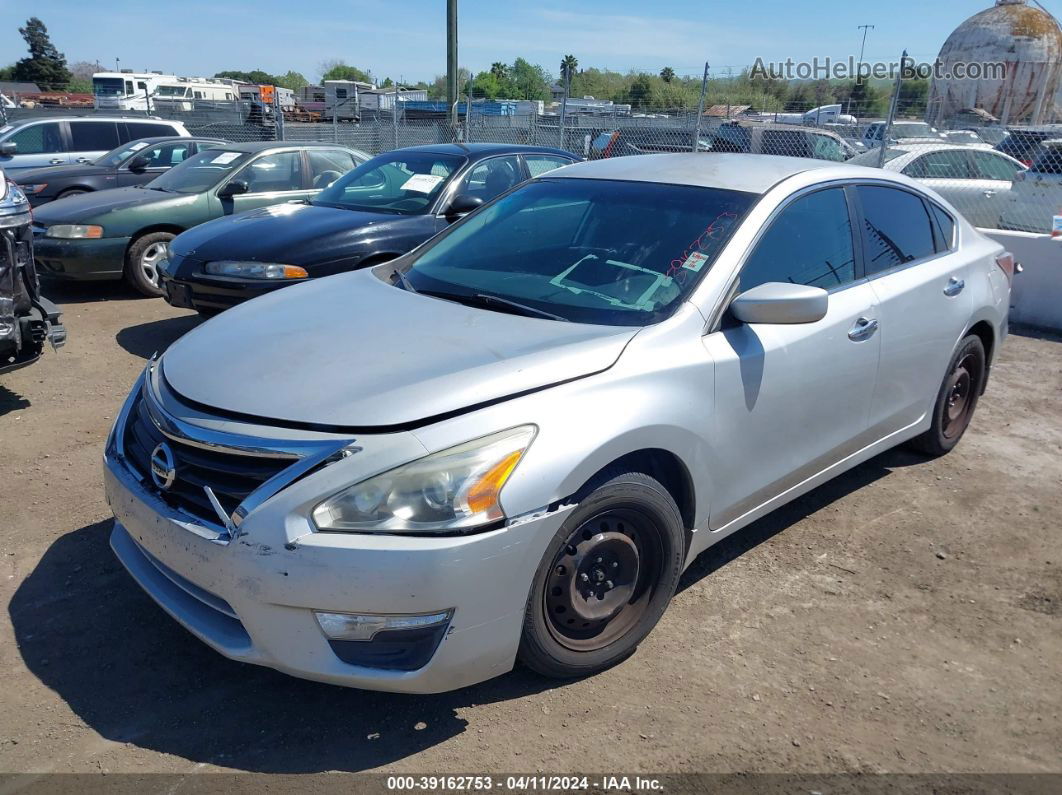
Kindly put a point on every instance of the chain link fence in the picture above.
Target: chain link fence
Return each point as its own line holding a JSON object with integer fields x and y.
{"x": 1006, "y": 177}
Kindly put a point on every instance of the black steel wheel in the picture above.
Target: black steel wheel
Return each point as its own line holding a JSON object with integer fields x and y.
{"x": 956, "y": 399}
{"x": 606, "y": 578}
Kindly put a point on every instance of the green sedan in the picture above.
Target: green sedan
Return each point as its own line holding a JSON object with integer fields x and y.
{"x": 125, "y": 232}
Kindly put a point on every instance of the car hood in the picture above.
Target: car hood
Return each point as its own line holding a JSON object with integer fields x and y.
{"x": 353, "y": 352}
{"x": 294, "y": 233}
{"x": 92, "y": 206}
{"x": 31, "y": 176}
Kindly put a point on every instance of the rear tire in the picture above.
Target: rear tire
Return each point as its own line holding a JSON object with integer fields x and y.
{"x": 605, "y": 579}
{"x": 956, "y": 400}
{"x": 142, "y": 259}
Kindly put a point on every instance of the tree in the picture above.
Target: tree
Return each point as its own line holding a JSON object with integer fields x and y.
{"x": 568, "y": 67}
{"x": 500, "y": 71}
{"x": 529, "y": 81}
{"x": 337, "y": 69}
{"x": 46, "y": 66}
{"x": 667, "y": 74}
{"x": 291, "y": 79}
{"x": 256, "y": 76}
{"x": 640, "y": 93}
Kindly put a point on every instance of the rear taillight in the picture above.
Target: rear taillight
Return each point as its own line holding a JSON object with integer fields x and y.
{"x": 1006, "y": 263}
{"x": 1026, "y": 163}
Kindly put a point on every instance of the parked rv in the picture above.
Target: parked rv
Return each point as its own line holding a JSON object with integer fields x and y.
{"x": 127, "y": 90}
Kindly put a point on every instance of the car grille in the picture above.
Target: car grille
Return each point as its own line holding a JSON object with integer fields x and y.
{"x": 231, "y": 475}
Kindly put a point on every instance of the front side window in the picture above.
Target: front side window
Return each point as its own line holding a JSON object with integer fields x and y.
{"x": 585, "y": 250}
{"x": 946, "y": 164}
{"x": 91, "y": 135}
{"x": 825, "y": 148}
{"x": 810, "y": 242}
{"x": 38, "y": 139}
{"x": 896, "y": 227}
{"x": 400, "y": 183}
{"x": 200, "y": 172}
{"x": 274, "y": 173}
{"x": 791, "y": 143}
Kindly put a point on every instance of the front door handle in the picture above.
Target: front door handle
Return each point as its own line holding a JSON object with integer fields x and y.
{"x": 83, "y": 160}
{"x": 989, "y": 193}
{"x": 863, "y": 329}
{"x": 58, "y": 161}
{"x": 954, "y": 286}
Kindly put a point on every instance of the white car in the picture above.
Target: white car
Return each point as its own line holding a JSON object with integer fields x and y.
{"x": 966, "y": 138}
{"x": 900, "y": 132}
{"x": 1036, "y": 197}
{"x": 977, "y": 181}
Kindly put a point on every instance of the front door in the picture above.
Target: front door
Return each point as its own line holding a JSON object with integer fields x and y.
{"x": 36, "y": 146}
{"x": 792, "y": 399}
{"x": 271, "y": 179}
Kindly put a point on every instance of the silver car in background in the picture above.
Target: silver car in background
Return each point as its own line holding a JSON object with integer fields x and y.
{"x": 976, "y": 181}
{"x": 511, "y": 441}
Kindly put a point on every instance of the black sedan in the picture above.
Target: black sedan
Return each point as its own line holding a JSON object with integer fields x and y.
{"x": 133, "y": 163}
{"x": 378, "y": 211}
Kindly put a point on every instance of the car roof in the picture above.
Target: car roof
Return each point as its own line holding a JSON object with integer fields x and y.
{"x": 477, "y": 150}
{"x": 749, "y": 173}
{"x": 91, "y": 117}
{"x": 261, "y": 146}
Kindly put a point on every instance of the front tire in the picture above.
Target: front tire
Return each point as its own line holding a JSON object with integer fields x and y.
{"x": 605, "y": 579}
{"x": 142, "y": 260}
{"x": 957, "y": 398}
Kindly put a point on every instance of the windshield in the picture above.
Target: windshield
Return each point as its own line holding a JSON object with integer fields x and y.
{"x": 199, "y": 172}
{"x": 116, "y": 157}
{"x": 910, "y": 129}
{"x": 108, "y": 86}
{"x": 590, "y": 251}
{"x": 402, "y": 183}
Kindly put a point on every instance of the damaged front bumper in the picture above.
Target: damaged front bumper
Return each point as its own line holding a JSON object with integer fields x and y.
{"x": 267, "y": 591}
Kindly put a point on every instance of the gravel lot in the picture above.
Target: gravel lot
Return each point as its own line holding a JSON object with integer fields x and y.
{"x": 906, "y": 617}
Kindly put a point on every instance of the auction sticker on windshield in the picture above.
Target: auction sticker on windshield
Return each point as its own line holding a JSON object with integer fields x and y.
{"x": 422, "y": 183}
{"x": 225, "y": 157}
{"x": 695, "y": 261}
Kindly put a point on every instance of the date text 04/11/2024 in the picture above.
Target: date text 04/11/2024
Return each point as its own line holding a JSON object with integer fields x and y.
{"x": 525, "y": 783}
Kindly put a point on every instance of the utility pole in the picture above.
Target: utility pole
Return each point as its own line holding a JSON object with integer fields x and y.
{"x": 451, "y": 60}
{"x": 859, "y": 66}
{"x": 700, "y": 110}
{"x": 892, "y": 112}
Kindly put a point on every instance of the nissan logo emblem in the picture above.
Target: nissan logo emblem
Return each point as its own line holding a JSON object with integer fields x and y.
{"x": 163, "y": 467}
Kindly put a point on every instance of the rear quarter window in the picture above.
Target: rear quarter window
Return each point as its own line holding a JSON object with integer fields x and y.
{"x": 896, "y": 227}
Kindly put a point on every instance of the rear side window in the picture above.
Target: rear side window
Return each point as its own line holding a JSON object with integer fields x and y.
{"x": 896, "y": 227}
{"x": 89, "y": 136}
{"x": 792, "y": 143}
{"x": 1049, "y": 161}
{"x": 540, "y": 164}
{"x": 990, "y": 166}
{"x": 946, "y": 227}
{"x": 38, "y": 139}
{"x": 810, "y": 242}
{"x": 144, "y": 129}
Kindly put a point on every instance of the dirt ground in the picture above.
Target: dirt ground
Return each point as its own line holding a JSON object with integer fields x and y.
{"x": 906, "y": 617}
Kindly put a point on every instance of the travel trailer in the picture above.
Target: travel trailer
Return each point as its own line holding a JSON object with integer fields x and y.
{"x": 189, "y": 93}
{"x": 127, "y": 90}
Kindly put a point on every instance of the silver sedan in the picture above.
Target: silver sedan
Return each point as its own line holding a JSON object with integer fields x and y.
{"x": 510, "y": 442}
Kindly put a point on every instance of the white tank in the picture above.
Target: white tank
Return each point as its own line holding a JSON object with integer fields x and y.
{"x": 1024, "y": 37}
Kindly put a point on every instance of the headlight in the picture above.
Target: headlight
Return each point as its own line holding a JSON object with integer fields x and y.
{"x": 449, "y": 491}
{"x": 74, "y": 231}
{"x": 255, "y": 270}
{"x": 34, "y": 188}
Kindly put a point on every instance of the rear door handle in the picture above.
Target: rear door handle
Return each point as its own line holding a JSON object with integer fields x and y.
{"x": 83, "y": 160}
{"x": 954, "y": 286}
{"x": 863, "y": 329}
{"x": 989, "y": 193}
{"x": 57, "y": 161}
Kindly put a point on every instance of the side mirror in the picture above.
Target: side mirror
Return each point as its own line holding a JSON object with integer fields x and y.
{"x": 233, "y": 188}
{"x": 463, "y": 204}
{"x": 8, "y": 148}
{"x": 138, "y": 164}
{"x": 780, "y": 302}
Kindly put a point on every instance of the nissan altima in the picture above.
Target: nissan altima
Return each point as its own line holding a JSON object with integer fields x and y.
{"x": 509, "y": 443}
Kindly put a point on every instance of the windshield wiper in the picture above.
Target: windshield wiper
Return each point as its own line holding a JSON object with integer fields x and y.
{"x": 407, "y": 285}
{"x": 521, "y": 309}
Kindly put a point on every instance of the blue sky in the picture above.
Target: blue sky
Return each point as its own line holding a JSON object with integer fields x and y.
{"x": 406, "y": 38}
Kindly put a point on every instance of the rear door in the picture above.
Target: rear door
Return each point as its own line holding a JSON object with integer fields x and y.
{"x": 919, "y": 279}
{"x": 950, "y": 173}
{"x": 995, "y": 176}
{"x": 90, "y": 140}
{"x": 793, "y": 399}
